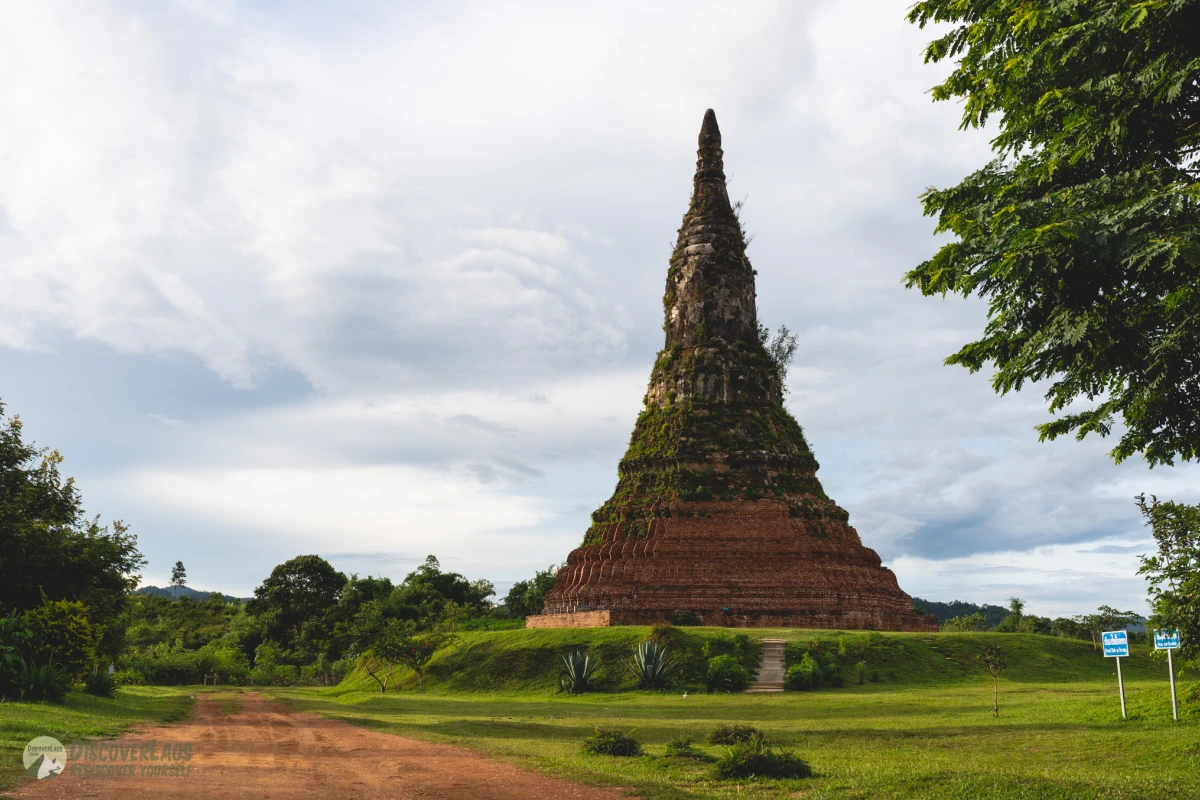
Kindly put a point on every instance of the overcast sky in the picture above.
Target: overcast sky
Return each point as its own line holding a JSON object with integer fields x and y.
{"x": 377, "y": 281}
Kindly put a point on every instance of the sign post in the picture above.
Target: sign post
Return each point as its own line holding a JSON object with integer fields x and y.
{"x": 1169, "y": 640}
{"x": 1116, "y": 644}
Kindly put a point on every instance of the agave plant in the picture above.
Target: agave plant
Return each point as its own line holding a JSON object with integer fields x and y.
{"x": 577, "y": 672}
{"x": 43, "y": 682}
{"x": 653, "y": 665}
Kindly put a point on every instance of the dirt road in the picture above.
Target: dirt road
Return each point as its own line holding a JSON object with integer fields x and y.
{"x": 266, "y": 751}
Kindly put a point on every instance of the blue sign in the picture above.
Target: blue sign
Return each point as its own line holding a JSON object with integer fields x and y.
{"x": 1116, "y": 643}
{"x": 1166, "y": 640}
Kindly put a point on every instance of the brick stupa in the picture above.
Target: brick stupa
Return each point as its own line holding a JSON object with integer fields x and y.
{"x": 718, "y": 510}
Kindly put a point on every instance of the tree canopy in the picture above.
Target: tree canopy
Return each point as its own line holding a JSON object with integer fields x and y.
{"x": 1083, "y": 234}
{"x": 49, "y": 550}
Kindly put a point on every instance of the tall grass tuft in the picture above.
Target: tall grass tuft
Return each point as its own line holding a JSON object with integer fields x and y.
{"x": 611, "y": 742}
{"x": 756, "y": 758}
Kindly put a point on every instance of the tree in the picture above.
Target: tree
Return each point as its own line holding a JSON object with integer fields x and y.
{"x": 382, "y": 643}
{"x": 60, "y": 634}
{"x": 48, "y": 549}
{"x": 527, "y": 598}
{"x": 1174, "y": 571}
{"x": 178, "y": 577}
{"x": 1106, "y": 618}
{"x": 993, "y": 662}
{"x": 1016, "y": 613}
{"x": 296, "y": 598}
{"x": 1084, "y": 233}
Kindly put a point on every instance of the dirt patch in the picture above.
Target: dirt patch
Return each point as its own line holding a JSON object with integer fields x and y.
{"x": 266, "y": 751}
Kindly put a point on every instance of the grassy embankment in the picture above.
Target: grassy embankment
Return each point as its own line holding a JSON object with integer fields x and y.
{"x": 925, "y": 730}
{"x": 82, "y": 715}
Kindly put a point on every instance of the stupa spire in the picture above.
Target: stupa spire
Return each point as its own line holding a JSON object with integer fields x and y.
{"x": 718, "y": 513}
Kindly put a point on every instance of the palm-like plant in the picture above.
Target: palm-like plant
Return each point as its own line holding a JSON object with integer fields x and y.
{"x": 577, "y": 672}
{"x": 653, "y": 665}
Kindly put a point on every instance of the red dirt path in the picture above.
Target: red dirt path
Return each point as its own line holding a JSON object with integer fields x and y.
{"x": 265, "y": 751}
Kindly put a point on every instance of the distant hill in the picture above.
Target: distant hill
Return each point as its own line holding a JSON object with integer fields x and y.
{"x": 944, "y": 611}
{"x": 187, "y": 591}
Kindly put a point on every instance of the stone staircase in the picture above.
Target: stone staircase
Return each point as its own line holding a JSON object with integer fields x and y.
{"x": 769, "y": 677}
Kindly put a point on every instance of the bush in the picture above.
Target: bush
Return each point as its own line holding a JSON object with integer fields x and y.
{"x": 43, "y": 683}
{"x": 803, "y": 676}
{"x": 860, "y": 672}
{"x": 726, "y": 674}
{"x": 873, "y": 676}
{"x": 577, "y": 672}
{"x": 61, "y": 633}
{"x": 755, "y": 758}
{"x": 685, "y": 618}
{"x": 128, "y": 677}
{"x": 611, "y": 742}
{"x": 734, "y": 734}
{"x": 99, "y": 684}
{"x": 684, "y": 747}
{"x": 653, "y": 665}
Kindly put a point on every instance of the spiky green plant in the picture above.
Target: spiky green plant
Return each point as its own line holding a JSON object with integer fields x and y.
{"x": 653, "y": 665}
{"x": 577, "y": 672}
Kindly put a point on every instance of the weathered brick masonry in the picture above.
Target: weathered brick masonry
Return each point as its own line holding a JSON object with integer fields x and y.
{"x": 718, "y": 510}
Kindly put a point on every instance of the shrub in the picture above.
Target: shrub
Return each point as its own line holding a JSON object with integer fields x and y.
{"x": 99, "y": 683}
{"x": 860, "y": 672}
{"x": 734, "y": 734}
{"x": 577, "y": 672}
{"x": 61, "y": 633}
{"x": 684, "y": 747}
{"x": 803, "y": 676}
{"x": 44, "y": 682}
{"x": 726, "y": 674}
{"x": 128, "y": 677}
{"x": 755, "y": 758}
{"x": 611, "y": 742}
{"x": 685, "y": 618}
{"x": 653, "y": 665}
{"x": 873, "y": 676}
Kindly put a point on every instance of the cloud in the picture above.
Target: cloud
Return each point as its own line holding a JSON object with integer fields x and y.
{"x": 422, "y": 249}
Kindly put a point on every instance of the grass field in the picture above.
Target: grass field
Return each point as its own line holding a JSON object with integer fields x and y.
{"x": 924, "y": 732}
{"x": 81, "y": 716}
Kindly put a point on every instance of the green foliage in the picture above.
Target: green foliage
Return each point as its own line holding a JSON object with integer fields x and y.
{"x": 994, "y": 663}
{"x": 685, "y": 747}
{"x": 60, "y": 633}
{"x": 528, "y": 597}
{"x": 178, "y": 578}
{"x": 803, "y": 676}
{"x": 726, "y": 674}
{"x": 612, "y": 742}
{"x": 734, "y": 734}
{"x": 756, "y": 759}
{"x": 295, "y": 599}
{"x": 653, "y": 665}
{"x": 578, "y": 668}
{"x": 48, "y": 683}
{"x": 780, "y": 350}
{"x": 15, "y": 639}
{"x": 1174, "y": 571}
{"x": 971, "y": 622}
{"x": 48, "y": 549}
{"x": 99, "y": 683}
{"x": 992, "y": 614}
{"x": 860, "y": 672}
{"x": 685, "y": 619}
{"x": 1084, "y": 233}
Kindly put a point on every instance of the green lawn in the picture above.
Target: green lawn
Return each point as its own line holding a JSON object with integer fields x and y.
{"x": 925, "y": 731}
{"x": 83, "y": 715}
{"x": 1051, "y": 741}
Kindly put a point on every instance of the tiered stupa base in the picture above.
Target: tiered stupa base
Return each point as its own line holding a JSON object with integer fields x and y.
{"x": 741, "y": 564}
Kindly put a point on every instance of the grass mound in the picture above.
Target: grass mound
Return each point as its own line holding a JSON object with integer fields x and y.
{"x": 757, "y": 759}
{"x": 611, "y": 742}
{"x": 734, "y": 734}
{"x": 685, "y": 747}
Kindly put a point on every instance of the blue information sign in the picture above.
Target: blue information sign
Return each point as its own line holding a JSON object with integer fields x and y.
{"x": 1116, "y": 643}
{"x": 1166, "y": 640}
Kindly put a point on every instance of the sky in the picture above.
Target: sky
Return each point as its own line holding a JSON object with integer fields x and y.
{"x": 381, "y": 280}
